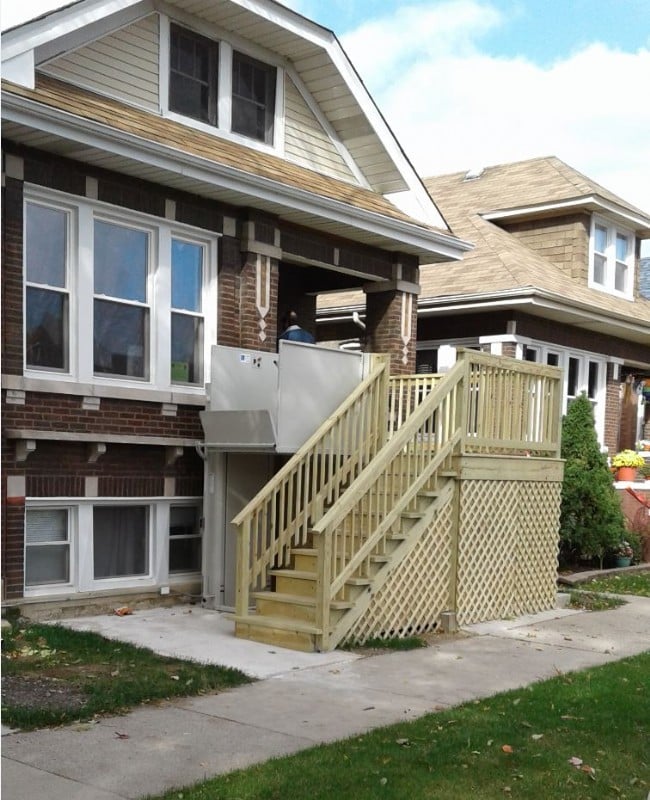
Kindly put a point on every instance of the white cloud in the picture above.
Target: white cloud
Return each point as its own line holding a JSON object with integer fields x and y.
{"x": 453, "y": 107}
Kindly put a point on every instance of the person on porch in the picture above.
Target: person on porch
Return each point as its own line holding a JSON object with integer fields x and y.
{"x": 294, "y": 333}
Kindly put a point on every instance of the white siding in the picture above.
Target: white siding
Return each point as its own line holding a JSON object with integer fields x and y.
{"x": 305, "y": 141}
{"x": 123, "y": 65}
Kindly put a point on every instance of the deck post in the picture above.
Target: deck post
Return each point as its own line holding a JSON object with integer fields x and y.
{"x": 243, "y": 567}
{"x": 323, "y": 582}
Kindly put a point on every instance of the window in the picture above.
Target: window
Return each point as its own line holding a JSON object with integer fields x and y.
{"x": 89, "y": 545}
{"x": 46, "y": 290}
{"x": 253, "y": 98}
{"x": 193, "y": 63}
{"x": 221, "y": 87}
{"x": 136, "y": 316}
{"x": 184, "y": 539}
{"x": 612, "y": 259}
{"x": 121, "y": 314}
{"x": 120, "y": 541}
{"x": 47, "y": 546}
{"x": 187, "y": 320}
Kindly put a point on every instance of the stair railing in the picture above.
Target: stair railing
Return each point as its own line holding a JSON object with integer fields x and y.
{"x": 369, "y": 512}
{"x": 280, "y": 516}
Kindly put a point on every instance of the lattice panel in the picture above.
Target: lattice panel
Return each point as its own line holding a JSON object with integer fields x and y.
{"x": 536, "y": 547}
{"x": 507, "y": 549}
{"x": 415, "y": 594}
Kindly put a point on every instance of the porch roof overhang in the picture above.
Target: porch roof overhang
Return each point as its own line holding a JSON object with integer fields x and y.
{"x": 540, "y": 303}
{"x": 37, "y": 125}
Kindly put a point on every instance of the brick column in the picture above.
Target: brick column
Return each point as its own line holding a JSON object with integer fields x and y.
{"x": 258, "y": 310}
{"x": 391, "y": 326}
{"x": 612, "y": 412}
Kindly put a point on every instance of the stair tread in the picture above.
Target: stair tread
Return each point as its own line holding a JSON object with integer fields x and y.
{"x": 283, "y": 597}
{"x": 281, "y": 623}
{"x": 287, "y": 572}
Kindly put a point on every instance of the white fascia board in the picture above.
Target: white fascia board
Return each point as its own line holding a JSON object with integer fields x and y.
{"x": 59, "y": 23}
{"x": 67, "y": 126}
{"x": 20, "y": 69}
{"x": 576, "y": 203}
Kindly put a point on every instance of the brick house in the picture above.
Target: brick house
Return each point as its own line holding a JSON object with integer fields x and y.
{"x": 554, "y": 278}
{"x": 173, "y": 178}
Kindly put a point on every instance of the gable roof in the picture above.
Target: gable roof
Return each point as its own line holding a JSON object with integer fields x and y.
{"x": 312, "y": 55}
{"x": 502, "y": 271}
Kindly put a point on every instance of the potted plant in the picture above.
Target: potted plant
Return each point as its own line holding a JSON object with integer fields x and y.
{"x": 623, "y": 554}
{"x": 627, "y": 462}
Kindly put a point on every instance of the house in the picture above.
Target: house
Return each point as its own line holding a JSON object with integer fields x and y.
{"x": 175, "y": 178}
{"x": 554, "y": 278}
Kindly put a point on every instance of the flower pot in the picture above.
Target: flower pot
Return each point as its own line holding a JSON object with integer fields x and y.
{"x": 626, "y": 474}
{"x": 622, "y": 561}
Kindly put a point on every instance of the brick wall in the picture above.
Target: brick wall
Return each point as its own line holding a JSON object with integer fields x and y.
{"x": 12, "y": 277}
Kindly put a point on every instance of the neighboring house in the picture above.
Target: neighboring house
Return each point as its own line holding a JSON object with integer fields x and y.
{"x": 554, "y": 278}
{"x": 175, "y": 176}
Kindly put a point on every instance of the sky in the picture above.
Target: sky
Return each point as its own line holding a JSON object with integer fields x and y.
{"x": 466, "y": 84}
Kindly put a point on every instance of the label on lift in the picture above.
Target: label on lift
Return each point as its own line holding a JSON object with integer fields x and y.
{"x": 245, "y": 358}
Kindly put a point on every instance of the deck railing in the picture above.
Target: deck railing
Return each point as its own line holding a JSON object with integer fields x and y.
{"x": 406, "y": 392}
{"x": 281, "y": 515}
{"x": 512, "y": 406}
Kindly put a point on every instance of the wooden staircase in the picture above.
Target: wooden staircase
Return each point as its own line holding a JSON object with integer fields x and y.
{"x": 286, "y": 614}
{"x": 322, "y": 538}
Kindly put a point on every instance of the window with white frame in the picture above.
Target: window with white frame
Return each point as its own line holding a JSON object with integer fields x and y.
{"x": 47, "y": 301}
{"x": 184, "y": 539}
{"x": 47, "y": 546}
{"x": 102, "y": 544}
{"x": 583, "y": 373}
{"x": 139, "y": 285}
{"x": 218, "y": 86}
{"x": 611, "y": 258}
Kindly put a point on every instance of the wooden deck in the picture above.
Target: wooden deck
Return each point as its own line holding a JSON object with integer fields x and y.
{"x": 420, "y": 495}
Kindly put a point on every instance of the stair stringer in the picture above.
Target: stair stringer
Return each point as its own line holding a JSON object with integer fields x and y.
{"x": 339, "y": 631}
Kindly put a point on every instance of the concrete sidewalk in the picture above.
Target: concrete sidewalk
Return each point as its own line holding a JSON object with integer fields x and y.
{"x": 302, "y": 699}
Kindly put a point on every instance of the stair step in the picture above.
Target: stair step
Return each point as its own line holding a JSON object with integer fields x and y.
{"x": 412, "y": 514}
{"x": 287, "y": 572}
{"x": 299, "y": 600}
{"x": 279, "y": 623}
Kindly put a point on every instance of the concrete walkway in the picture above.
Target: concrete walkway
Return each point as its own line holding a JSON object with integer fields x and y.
{"x": 302, "y": 699}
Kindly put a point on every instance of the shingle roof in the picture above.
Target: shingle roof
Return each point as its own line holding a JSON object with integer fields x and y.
{"x": 121, "y": 117}
{"x": 526, "y": 183}
{"x": 500, "y": 262}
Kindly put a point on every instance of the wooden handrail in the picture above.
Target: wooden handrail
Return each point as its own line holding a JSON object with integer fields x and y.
{"x": 280, "y": 515}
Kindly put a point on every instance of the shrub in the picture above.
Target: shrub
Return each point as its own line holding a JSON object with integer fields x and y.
{"x": 591, "y": 520}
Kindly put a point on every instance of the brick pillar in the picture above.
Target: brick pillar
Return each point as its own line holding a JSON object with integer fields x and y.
{"x": 613, "y": 412}
{"x": 230, "y": 261}
{"x": 391, "y": 326}
{"x": 259, "y": 302}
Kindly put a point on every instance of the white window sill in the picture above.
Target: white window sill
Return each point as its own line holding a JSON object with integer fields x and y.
{"x": 58, "y": 385}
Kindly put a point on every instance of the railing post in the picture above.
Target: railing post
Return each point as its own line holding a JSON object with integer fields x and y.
{"x": 243, "y": 567}
{"x": 463, "y": 400}
{"x": 323, "y": 584}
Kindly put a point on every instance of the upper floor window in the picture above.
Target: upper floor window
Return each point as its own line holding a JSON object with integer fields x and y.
{"x": 140, "y": 290}
{"x": 221, "y": 87}
{"x": 253, "y": 98}
{"x": 193, "y": 73}
{"x": 612, "y": 258}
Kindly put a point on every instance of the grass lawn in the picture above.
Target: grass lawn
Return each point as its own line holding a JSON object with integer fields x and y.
{"x": 515, "y": 745}
{"x": 52, "y": 675}
{"x": 627, "y": 583}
